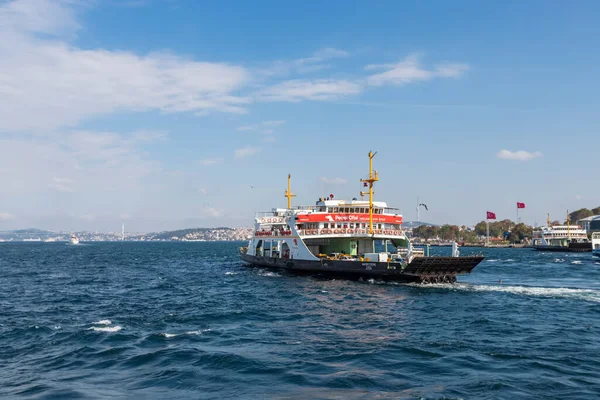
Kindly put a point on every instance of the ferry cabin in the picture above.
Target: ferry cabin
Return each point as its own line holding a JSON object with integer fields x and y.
{"x": 334, "y": 228}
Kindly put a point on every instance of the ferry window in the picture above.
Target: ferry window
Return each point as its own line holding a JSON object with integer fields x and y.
{"x": 335, "y": 209}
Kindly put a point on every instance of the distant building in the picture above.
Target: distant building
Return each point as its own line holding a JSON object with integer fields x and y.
{"x": 590, "y": 223}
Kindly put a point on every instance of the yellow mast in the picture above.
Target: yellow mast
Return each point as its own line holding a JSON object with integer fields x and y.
{"x": 372, "y": 179}
{"x": 548, "y": 222}
{"x": 288, "y": 192}
{"x": 568, "y": 226}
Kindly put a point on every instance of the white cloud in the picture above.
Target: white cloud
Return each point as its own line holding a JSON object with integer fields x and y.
{"x": 298, "y": 90}
{"x": 38, "y": 16}
{"x": 81, "y": 161}
{"x": 246, "y": 151}
{"x": 4, "y": 216}
{"x": 334, "y": 181}
{"x": 316, "y": 62}
{"x": 410, "y": 70}
{"x": 520, "y": 155}
{"x": 210, "y": 161}
{"x": 63, "y": 85}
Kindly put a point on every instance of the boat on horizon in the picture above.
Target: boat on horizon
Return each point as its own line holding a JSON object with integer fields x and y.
{"x": 338, "y": 237}
{"x": 561, "y": 238}
{"x": 74, "y": 239}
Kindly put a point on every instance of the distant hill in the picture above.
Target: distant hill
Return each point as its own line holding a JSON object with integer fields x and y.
{"x": 22, "y": 234}
{"x": 415, "y": 224}
{"x": 218, "y": 233}
{"x": 184, "y": 232}
{"x": 583, "y": 213}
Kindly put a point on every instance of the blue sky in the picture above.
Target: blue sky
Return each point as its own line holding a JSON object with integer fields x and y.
{"x": 171, "y": 114}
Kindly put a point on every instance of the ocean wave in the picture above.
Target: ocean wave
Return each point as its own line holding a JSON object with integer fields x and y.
{"x": 171, "y": 335}
{"x": 115, "y": 328}
{"x": 576, "y": 262}
{"x": 269, "y": 274}
{"x": 559, "y": 260}
{"x": 102, "y": 322}
{"x": 230, "y": 273}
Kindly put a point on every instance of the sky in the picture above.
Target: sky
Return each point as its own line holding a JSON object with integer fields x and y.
{"x": 176, "y": 114}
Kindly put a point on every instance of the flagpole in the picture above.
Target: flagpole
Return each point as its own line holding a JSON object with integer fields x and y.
{"x": 517, "y": 213}
{"x": 487, "y": 226}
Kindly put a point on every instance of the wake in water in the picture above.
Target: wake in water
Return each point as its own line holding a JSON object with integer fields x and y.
{"x": 171, "y": 335}
{"x": 105, "y": 326}
{"x": 566, "y": 293}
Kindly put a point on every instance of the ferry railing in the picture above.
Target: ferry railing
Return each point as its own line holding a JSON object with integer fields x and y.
{"x": 329, "y": 232}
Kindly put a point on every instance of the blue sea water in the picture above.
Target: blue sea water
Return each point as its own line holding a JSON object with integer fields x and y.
{"x": 187, "y": 320}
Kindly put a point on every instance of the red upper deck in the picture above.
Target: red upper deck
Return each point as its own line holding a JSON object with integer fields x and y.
{"x": 330, "y": 217}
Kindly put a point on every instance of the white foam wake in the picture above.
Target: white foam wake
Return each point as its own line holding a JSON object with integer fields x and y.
{"x": 553, "y": 292}
{"x": 102, "y": 322}
{"x": 199, "y": 332}
{"x": 115, "y": 328}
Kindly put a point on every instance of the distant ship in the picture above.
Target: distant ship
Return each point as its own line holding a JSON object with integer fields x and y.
{"x": 338, "y": 237}
{"x": 564, "y": 238}
{"x": 74, "y": 239}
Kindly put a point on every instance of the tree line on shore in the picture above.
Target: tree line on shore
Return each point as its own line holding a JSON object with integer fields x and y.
{"x": 583, "y": 213}
{"x": 506, "y": 229}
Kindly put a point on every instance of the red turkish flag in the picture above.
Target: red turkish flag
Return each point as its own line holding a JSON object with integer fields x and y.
{"x": 491, "y": 215}
{"x": 520, "y": 205}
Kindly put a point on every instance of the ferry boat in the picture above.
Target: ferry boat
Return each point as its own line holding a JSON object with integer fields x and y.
{"x": 74, "y": 239}
{"x": 564, "y": 238}
{"x": 338, "y": 237}
{"x": 596, "y": 244}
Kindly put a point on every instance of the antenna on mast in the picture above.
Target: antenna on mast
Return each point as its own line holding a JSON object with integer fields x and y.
{"x": 373, "y": 177}
{"x": 288, "y": 192}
